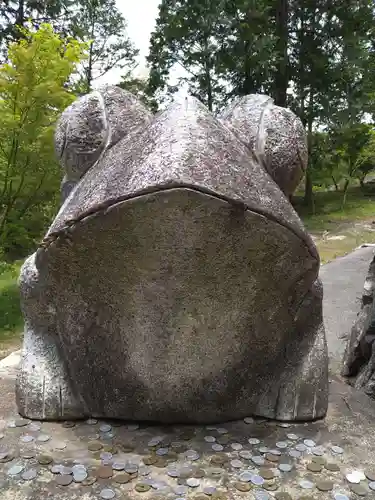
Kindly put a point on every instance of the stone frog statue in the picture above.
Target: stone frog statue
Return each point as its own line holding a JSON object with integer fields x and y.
{"x": 176, "y": 283}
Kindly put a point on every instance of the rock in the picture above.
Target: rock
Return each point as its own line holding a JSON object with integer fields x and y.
{"x": 274, "y": 135}
{"x": 176, "y": 284}
{"x": 359, "y": 358}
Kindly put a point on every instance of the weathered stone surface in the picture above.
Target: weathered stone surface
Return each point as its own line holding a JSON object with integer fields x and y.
{"x": 176, "y": 283}
{"x": 275, "y": 136}
{"x": 359, "y": 359}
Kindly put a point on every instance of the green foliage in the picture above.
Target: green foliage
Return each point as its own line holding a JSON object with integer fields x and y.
{"x": 33, "y": 92}
{"x": 10, "y": 312}
{"x": 138, "y": 87}
{"x": 99, "y": 23}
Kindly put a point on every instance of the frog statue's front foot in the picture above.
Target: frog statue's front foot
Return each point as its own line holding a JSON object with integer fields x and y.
{"x": 176, "y": 283}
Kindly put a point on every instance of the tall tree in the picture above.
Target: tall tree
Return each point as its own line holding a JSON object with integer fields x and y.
{"x": 100, "y": 23}
{"x": 33, "y": 93}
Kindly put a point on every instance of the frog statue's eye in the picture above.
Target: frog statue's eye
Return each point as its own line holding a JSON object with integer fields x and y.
{"x": 275, "y": 136}
{"x": 90, "y": 126}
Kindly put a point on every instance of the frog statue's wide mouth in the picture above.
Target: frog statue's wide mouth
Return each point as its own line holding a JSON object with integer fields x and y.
{"x": 183, "y": 267}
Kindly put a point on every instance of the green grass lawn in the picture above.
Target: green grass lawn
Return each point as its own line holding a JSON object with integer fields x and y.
{"x": 10, "y": 313}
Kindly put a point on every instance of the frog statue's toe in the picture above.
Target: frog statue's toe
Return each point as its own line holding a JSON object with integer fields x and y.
{"x": 177, "y": 282}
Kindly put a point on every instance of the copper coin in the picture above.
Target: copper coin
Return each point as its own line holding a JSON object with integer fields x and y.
{"x": 359, "y": 490}
{"x": 104, "y": 472}
{"x": 270, "y": 486}
{"x": 44, "y": 459}
{"x": 272, "y": 458}
{"x": 63, "y": 480}
{"x": 331, "y": 466}
{"x": 324, "y": 485}
{"x": 150, "y": 459}
{"x": 199, "y": 473}
{"x": 142, "y": 487}
{"x": 319, "y": 460}
{"x": 122, "y": 478}
{"x": 94, "y": 446}
{"x": 314, "y": 467}
{"x": 89, "y": 481}
{"x": 283, "y": 495}
{"x": 266, "y": 473}
{"x": 160, "y": 462}
{"x": 240, "y": 486}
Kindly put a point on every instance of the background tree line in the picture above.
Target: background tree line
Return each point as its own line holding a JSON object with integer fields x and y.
{"x": 315, "y": 56}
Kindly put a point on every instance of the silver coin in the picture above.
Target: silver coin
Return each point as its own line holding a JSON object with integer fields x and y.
{"x": 66, "y": 471}
{"x": 29, "y": 475}
{"x": 35, "y": 427}
{"x": 340, "y": 496}
{"x": 245, "y": 454}
{"x": 155, "y": 441}
{"x": 253, "y": 441}
{"x": 162, "y": 451}
{"x": 181, "y": 489}
{"x": 318, "y": 451}
{"x": 211, "y": 427}
{"x": 173, "y": 473}
{"x": 105, "y": 428}
{"x": 285, "y": 467}
{"x": 292, "y": 437}
{"x": 353, "y": 478}
{"x": 15, "y": 470}
{"x": 192, "y": 482}
{"x": 306, "y": 485}
{"x": 26, "y": 438}
{"x": 248, "y": 420}
{"x": 106, "y": 456}
{"x": 257, "y": 480}
{"x": 143, "y": 470}
{"x": 237, "y": 464}
{"x": 118, "y": 465}
{"x": 61, "y": 445}
{"x": 79, "y": 476}
{"x": 371, "y": 485}
{"x": 131, "y": 468}
{"x": 309, "y": 443}
{"x": 91, "y": 421}
{"x": 236, "y": 446}
{"x": 301, "y": 447}
{"x": 192, "y": 455}
{"x": 217, "y": 447}
{"x": 56, "y": 469}
{"x": 209, "y": 490}
{"x": 261, "y": 495}
{"x": 263, "y": 449}
{"x": 245, "y": 477}
{"x": 282, "y": 445}
{"x": 258, "y": 460}
{"x": 222, "y": 430}
{"x": 132, "y": 427}
{"x": 275, "y": 452}
{"x": 107, "y": 436}
{"x": 2, "y": 436}
{"x": 337, "y": 450}
{"x": 209, "y": 439}
{"x": 107, "y": 494}
{"x": 295, "y": 453}
{"x": 78, "y": 468}
{"x": 43, "y": 438}
{"x": 284, "y": 425}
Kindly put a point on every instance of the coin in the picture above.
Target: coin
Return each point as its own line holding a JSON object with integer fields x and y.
{"x": 118, "y": 466}
{"x": 63, "y": 480}
{"x": 105, "y": 428}
{"x": 272, "y": 458}
{"x": 285, "y": 467}
{"x": 106, "y": 456}
{"x": 209, "y": 439}
{"x": 370, "y": 474}
{"x": 292, "y": 437}
{"x": 122, "y": 478}
{"x": 43, "y": 438}
{"x": 193, "y": 482}
{"x": 301, "y": 447}
{"x": 282, "y": 445}
{"x": 44, "y": 459}
{"x": 355, "y": 477}
{"x": 222, "y": 430}
{"x": 337, "y": 450}
{"x": 142, "y": 487}
{"x": 245, "y": 476}
{"x": 209, "y": 490}
{"x": 199, "y": 473}
{"x": 324, "y": 485}
{"x": 217, "y": 447}
{"x": 359, "y": 490}
{"x": 237, "y": 464}
{"x": 314, "y": 467}
{"x": 60, "y": 445}
{"x": 266, "y": 473}
{"x": 245, "y": 454}
{"x": 340, "y": 496}
{"x": 257, "y": 480}
{"x": 107, "y": 494}
{"x": 309, "y": 443}
{"x": 258, "y": 460}
{"x": 240, "y": 486}
{"x": 149, "y": 460}
{"x": 372, "y": 485}
{"x": 162, "y": 451}
{"x": 319, "y": 460}
{"x": 29, "y": 475}
{"x": 306, "y": 485}
{"x": 332, "y": 467}
{"x": 261, "y": 495}
{"x": 26, "y": 438}
{"x": 271, "y": 486}
{"x": 15, "y": 470}
{"x": 68, "y": 425}
{"x": 282, "y": 495}
{"x": 253, "y": 441}
{"x": 295, "y": 453}
{"x": 248, "y": 420}
{"x": 181, "y": 489}
{"x": 94, "y": 446}
{"x": 27, "y": 454}
{"x": 219, "y": 459}
{"x": 89, "y": 481}
{"x": 236, "y": 446}
{"x": 56, "y": 469}
{"x": 35, "y": 427}
{"x": 104, "y": 472}
{"x": 131, "y": 468}
{"x": 91, "y": 421}
{"x": 20, "y": 422}
{"x": 263, "y": 449}
{"x": 79, "y": 476}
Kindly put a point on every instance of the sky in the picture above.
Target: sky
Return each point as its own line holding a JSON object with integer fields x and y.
{"x": 141, "y": 17}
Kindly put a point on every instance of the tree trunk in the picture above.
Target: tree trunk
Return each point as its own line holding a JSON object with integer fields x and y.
{"x": 345, "y": 193}
{"x": 335, "y": 183}
{"x": 281, "y": 77}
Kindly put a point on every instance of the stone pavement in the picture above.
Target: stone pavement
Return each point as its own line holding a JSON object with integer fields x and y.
{"x": 334, "y": 458}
